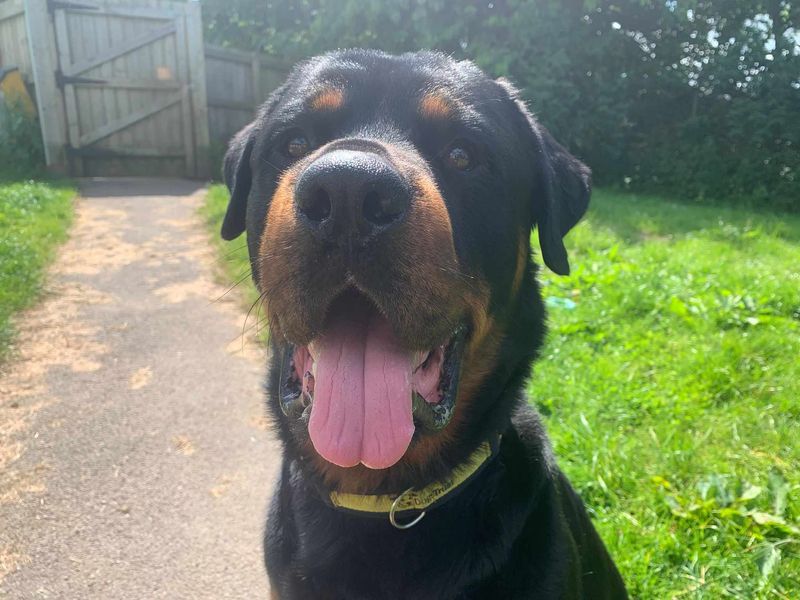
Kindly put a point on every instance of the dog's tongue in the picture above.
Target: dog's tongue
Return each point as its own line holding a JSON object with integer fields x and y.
{"x": 362, "y": 390}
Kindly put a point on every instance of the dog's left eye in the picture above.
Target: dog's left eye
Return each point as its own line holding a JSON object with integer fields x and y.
{"x": 458, "y": 157}
{"x": 297, "y": 146}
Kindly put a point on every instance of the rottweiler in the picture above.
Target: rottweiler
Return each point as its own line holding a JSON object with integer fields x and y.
{"x": 388, "y": 203}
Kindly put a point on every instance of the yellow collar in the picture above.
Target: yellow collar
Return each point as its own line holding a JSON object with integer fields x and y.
{"x": 418, "y": 499}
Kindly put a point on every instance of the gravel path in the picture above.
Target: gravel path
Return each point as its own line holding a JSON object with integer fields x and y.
{"x": 134, "y": 456}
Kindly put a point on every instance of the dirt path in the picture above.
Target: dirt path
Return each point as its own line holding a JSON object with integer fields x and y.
{"x": 134, "y": 460}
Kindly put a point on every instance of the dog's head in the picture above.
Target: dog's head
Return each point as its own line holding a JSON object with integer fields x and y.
{"x": 388, "y": 203}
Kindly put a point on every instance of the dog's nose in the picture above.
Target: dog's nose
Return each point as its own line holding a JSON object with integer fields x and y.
{"x": 349, "y": 196}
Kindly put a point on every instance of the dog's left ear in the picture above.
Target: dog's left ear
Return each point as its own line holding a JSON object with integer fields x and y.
{"x": 562, "y": 190}
{"x": 238, "y": 177}
{"x": 561, "y": 198}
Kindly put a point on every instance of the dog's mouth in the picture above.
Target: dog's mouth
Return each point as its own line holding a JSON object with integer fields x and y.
{"x": 361, "y": 392}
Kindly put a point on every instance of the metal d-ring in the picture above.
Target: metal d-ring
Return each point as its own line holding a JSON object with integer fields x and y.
{"x": 393, "y": 510}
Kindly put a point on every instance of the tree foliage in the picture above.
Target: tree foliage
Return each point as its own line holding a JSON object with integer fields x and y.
{"x": 700, "y": 98}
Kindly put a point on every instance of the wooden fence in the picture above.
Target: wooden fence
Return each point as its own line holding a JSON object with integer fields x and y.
{"x": 14, "y": 37}
{"x": 237, "y": 83}
{"x": 128, "y": 88}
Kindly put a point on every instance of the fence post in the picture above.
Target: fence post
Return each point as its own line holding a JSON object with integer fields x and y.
{"x": 41, "y": 43}
{"x": 197, "y": 73}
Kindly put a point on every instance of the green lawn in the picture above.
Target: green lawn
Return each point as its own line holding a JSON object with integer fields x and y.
{"x": 232, "y": 257}
{"x": 233, "y": 261}
{"x": 672, "y": 393}
{"x": 34, "y": 218}
{"x": 671, "y": 387}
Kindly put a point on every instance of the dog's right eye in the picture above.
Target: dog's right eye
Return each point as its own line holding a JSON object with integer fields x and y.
{"x": 297, "y": 146}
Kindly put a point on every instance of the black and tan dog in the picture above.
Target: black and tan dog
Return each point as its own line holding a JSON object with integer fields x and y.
{"x": 388, "y": 203}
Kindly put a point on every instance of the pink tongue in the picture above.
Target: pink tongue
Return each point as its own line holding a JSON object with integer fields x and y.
{"x": 362, "y": 390}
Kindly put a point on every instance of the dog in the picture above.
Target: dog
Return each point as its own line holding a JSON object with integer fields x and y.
{"x": 388, "y": 203}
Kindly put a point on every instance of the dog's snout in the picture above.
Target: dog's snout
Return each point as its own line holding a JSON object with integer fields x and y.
{"x": 348, "y": 195}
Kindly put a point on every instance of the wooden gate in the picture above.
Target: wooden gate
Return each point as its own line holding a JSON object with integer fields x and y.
{"x": 238, "y": 82}
{"x": 133, "y": 85}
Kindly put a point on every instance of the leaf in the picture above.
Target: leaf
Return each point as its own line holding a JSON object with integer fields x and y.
{"x": 675, "y": 506}
{"x": 779, "y": 488}
{"x": 678, "y": 307}
{"x": 703, "y": 487}
{"x": 770, "y": 520}
{"x": 752, "y": 491}
{"x": 585, "y": 423}
{"x": 661, "y": 482}
{"x": 764, "y": 518}
{"x": 767, "y": 558}
{"x": 555, "y": 302}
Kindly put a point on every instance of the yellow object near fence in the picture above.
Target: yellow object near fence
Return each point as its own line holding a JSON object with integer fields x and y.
{"x": 14, "y": 93}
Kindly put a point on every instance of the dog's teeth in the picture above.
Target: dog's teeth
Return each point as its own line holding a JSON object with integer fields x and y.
{"x": 312, "y": 350}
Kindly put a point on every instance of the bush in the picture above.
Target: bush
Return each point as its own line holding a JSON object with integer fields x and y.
{"x": 21, "y": 151}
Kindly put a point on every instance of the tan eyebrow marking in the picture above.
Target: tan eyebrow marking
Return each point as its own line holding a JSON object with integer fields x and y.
{"x": 435, "y": 105}
{"x": 327, "y": 99}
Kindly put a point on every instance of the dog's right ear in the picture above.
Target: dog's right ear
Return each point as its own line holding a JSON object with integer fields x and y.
{"x": 238, "y": 177}
{"x": 236, "y": 169}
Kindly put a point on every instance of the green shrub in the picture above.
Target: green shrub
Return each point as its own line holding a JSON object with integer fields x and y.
{"x": 21, "y": 151}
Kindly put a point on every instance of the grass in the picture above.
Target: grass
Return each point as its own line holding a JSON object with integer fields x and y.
{"x": 672, "y": 393}
{"x": 233, "y": 259}
{"x": 34, "y": 218}
{"x": 670, "y": 383}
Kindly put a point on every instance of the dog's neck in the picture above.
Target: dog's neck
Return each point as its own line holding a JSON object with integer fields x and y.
{"x": 413, "y": 503}
{"x": 468, "y": 522}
